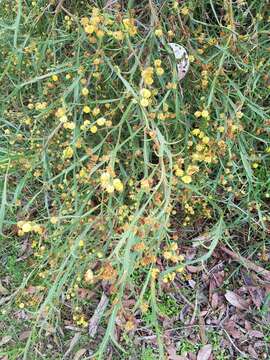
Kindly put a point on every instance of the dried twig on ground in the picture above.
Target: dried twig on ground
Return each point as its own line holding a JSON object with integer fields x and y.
{"x": 95, "y": 319}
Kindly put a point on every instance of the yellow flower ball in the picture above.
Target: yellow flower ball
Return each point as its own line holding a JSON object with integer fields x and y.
{"x": 101, "y": 121}
{"x": 85, "y": 91}
{"x": 110, "y": 188}
{"x": 86, "y": 109}
{"x": 96, "y": 111}
{"x": 105, "y": 178}
{"x": 68, "y": 152}
{"x": 89, "y": 29}
{"x": 185, "y": 10}
{"x": 205, "y": 113}
{"x": 93, "y": 129}
{"x": 145, "y": 93}
{"x": 118, "y": 185}
{"x": 144, "y": 102}
{"x": 159, "y": 71}
{"x": 158, "y": 32}
{"x": 27, "y": 227}
{"x": 186, "y": 179}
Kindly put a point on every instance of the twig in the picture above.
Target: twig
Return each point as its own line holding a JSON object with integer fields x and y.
{"x": 95, "y": 319}
{"x": 249, "y": 264}
{"x": 72, "y": 344}
{"x": 59, "y": 6}
{"x": 233, "y": 344}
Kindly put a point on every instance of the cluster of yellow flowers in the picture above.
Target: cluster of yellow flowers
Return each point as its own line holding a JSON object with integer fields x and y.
{"x": 204, "y": 114}
{"x": 158, "y": 68}
{"x": 145, "y": 97}
{"x": 41, "y": 105}
{"x": 185, "y": 177}
{"x": 61, "y": 114}
{"x": 25, "y": 227}
{"x": 171, "y": 253}
{"x": 129, "y": 25}
{"x": 110, "y": 184}
{"x": 92, "y": 25}
{"x": 68, "y": 152}
{"x": 171, "y": 276}
{"x": 147, "y": 75}
{"x": 203, "y": 151}
{"x": 80, "y": 319}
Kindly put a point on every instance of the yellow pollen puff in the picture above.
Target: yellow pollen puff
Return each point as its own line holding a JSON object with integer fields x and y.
{"x": 55, "y": 78}
{"x": 118, "y": 185}
{"x": 81, "y": 243}
{"x": 60, "y": 112}
{"x": 105, "y": 178}
{"x": 89, "y": 29}
{"x": 205, "y": 139}
{"x": 86, "y": 109}
{"x": 144, "y": 102}
{"x": 96, "y": 111}
{"x": 145, "y": 93}
{"x": 101, "y": 121}
{"x": 54, "y": 220}
{"x": 179, "y": 172}
{"x": 196, "y": 132}
{"x": 68, "y": 152}
{"x": 108, "y": 123}
{"x": 186, "y": 179}
{"x": 27, "y": 227}
{"x": 110, "y": 188}
{"x": 159, "y": 71}
{"x": 185, "y": 10}
{"x": 158, "y": 32}
{"x": 198, "y": 114}
{"x": 85, "y": 91}
{"x": 157, "y": 63}
{"x": 221, "y": 129}
{"x": 93, "y": 129}
{"x": 205, "y": 113}
{"x": 68, "y": 125}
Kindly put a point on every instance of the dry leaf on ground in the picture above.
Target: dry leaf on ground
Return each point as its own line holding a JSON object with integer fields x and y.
{"x": 236, "y": 300}
{"x": 205, "y": 352}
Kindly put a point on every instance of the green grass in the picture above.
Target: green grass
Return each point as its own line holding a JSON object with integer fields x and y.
{"x": 122, "y": 237}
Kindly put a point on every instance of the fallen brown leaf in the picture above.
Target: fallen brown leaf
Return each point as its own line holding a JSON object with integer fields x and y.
{"x": 252, "y": 352}
{"x": 172, "y": 354}
{"x": 236, "y": 300}
{"x": 5, "y": 340}
{"x": 25, "y": 335}
{"x": 205, "y": 352}
{"x": 214, "y": 300}
{"x": 256, "y": 334}
{"x": 79, "y": 354}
